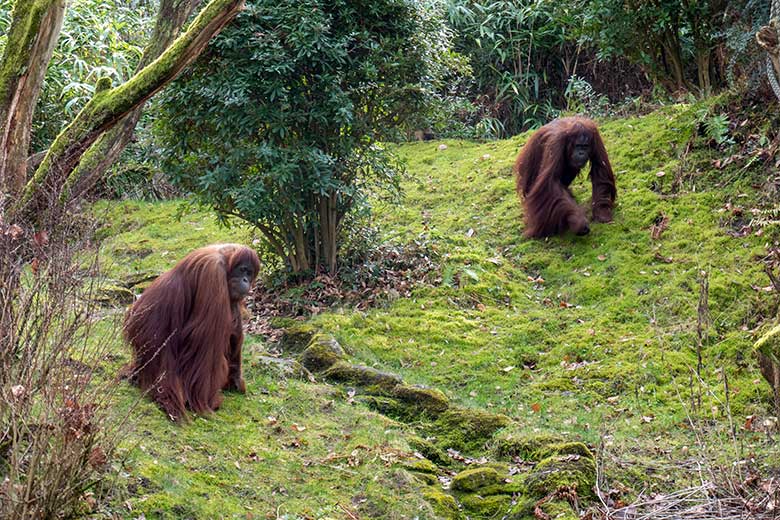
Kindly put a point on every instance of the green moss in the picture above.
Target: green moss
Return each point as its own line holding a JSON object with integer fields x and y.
{"x": 535, "y": 447}
{"x": 559, "y": 510}
{"x": 429, "y": 450}
{"x": 562, "y": 471}
{"x": 322, "y": 353}
{"x": 466, "y": 429}
{"x": 428, "y": 400}
{"x": 523, "y": 509}
{"x": 419, "y": 465}
{"x": 525, "y": 446}
{"x": 479, "y": 506}
{"x": 426, "y": 479}
{"x": 114, "y": 295}
{"x": 769, "y": 344}
{"x": 443, "y": 504}
{"x": 296, "y": 337}
{"x": 389, "y": 407}
{"x": 371, "y": 380}
{"x": 473, "y": 479}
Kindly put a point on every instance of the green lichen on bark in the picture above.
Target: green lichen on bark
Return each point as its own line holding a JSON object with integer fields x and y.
{"x": 108, "y": 106}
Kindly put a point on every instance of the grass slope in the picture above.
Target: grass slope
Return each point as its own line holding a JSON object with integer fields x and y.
{"x": 594, "y": 336}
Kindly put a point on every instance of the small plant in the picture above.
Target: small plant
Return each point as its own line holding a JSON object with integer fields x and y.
{"x": 580, "y": 97}
{"x": 717, "y": 128}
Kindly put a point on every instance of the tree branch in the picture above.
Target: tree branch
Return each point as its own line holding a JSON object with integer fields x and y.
{"x": 106, "y": 150}
{"x": 109, "y": 105}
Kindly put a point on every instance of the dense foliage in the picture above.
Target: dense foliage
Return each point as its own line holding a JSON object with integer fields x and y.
{"x": 684, "y": 46}
{"x": 530, "y": 57}
{"x": 518, "y": 51}
{"x": 99, "y": 38}
{"x": 278, "y": 123}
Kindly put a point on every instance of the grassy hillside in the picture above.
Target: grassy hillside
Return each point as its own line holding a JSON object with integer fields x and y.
{"x": 592, "y": 338}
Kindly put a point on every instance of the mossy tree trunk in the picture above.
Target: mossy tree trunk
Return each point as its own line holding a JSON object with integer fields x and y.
{"x": 35, "y": 26}
{"x": 106, "y": 150}
{"x": 52, "y": 181}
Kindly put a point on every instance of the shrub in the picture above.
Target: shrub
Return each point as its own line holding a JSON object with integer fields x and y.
{"x": 58, "y": 428}
{"x": 279, "y": 122}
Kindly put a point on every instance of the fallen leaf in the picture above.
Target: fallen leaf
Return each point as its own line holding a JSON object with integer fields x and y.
{"x": 536, "y": 407}
{"x": 41, "y": 238}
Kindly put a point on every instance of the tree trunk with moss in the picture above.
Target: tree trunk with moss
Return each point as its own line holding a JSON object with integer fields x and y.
{"x": 110, "y": 105}
{"x": 35, "y": 26}
{"x": 106, "y": 150}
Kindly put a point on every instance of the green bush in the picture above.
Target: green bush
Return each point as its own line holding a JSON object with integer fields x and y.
{"x": 279, "y": 122}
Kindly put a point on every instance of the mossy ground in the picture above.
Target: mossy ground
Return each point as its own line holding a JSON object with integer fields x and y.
{"x": 593, "y": 336}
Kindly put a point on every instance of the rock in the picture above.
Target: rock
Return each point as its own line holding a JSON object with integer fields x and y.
{"x": 537, "y": 447}
{"x": 562, "y": 471}
{"x": 428, "y": 450}
{"x": 114, "y": 295}
{"x": 471, "y": 480}
{"x": 286, "y": 367}
{"x": 467, "y": 429}
{"x": 419, "y": 465}
{"x": 297, "y": 337}
{"x": 372, "y": 380}
{"x": 427, "y": 399}
{"x": 443, "y": 504}
{"x": 491, "y": 506}
{"x": 322, "y": 353}
{"x": 144, "y": 278}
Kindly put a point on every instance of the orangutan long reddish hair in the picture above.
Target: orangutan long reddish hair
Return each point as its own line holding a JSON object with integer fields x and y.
{"x": 186, "y": 330}
{"x": 547, "y": 165}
